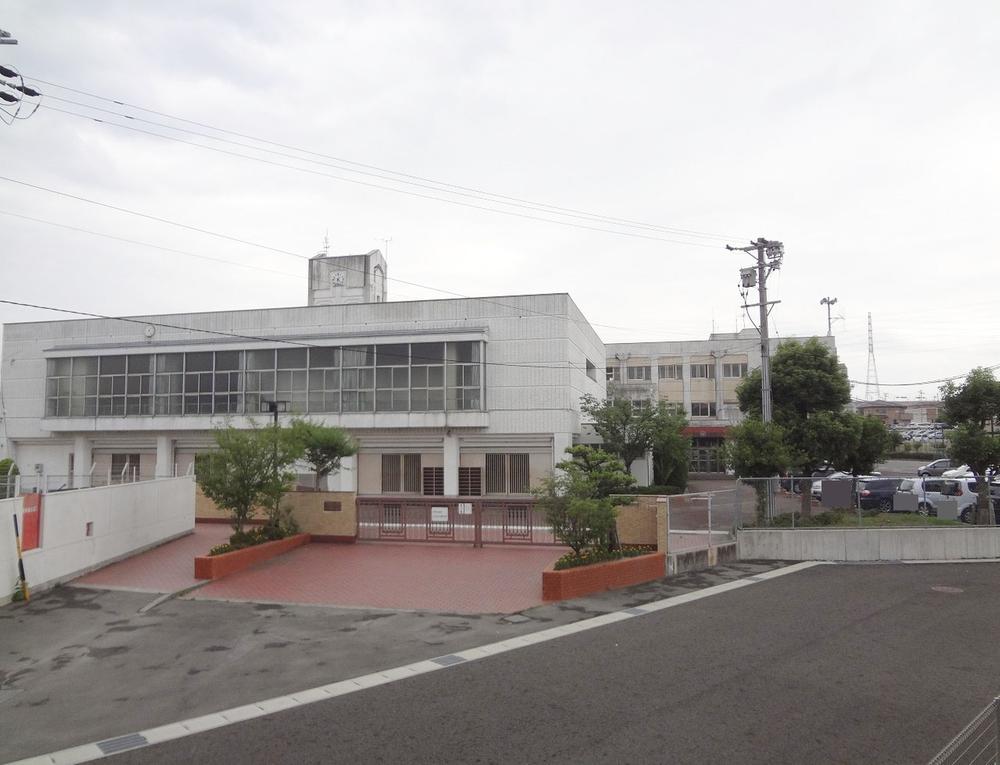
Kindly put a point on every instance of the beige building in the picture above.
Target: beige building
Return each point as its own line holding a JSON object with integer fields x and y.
{"x": 700, "y": 377}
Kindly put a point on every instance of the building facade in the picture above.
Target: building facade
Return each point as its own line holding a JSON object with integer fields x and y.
{"x": 470, "y": 396}
{"x": 699, "y": 377}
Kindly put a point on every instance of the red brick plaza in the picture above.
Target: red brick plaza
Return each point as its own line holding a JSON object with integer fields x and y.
{"x": 391, "y": 575}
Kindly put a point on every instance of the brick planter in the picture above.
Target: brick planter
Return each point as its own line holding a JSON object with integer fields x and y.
{"x": 218, "y": 566}
{"x": 610, "y": 575}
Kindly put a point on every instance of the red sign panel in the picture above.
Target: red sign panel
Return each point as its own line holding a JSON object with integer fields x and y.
{"x": 31, "y": 519}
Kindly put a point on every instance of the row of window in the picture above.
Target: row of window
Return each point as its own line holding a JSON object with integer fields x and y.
{"x": 504, "y": 474}
{"x": 675, "y": 372}
{"x": 698, "y": 408}
{"x": 414, "y": 377}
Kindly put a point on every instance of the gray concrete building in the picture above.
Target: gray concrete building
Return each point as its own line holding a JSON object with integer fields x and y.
{"x": 461, "y": 396}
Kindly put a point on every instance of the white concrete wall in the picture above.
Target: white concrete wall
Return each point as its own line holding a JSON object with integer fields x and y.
{"x": 861, "y": 544}
{"x": 125, "y": 519}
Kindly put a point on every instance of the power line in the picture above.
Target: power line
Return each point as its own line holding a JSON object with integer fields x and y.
{"x": 280, "y": 251}
{"x": 482, "y": 196}
{"x": 443, "y": 185}
{"x": 368, "y": 184}
{"x": 926, "y": 382}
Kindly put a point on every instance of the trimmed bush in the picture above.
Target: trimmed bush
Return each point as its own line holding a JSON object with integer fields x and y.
{"x": 595, "y": 555}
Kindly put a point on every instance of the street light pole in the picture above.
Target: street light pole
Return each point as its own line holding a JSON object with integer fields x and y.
{"x": 274, "y": 407}
{"x": 828, "y": 302}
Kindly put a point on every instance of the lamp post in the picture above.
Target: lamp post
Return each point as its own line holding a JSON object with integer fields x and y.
{"x": 828, "y": 302}
{"x": 275, "y": 407}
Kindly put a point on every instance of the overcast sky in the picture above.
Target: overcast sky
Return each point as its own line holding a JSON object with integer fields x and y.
{"x": 864, "y": 135}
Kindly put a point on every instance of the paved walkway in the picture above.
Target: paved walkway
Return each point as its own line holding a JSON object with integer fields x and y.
{"x": 411, "y": 576}
{"x": 166, "y": 568}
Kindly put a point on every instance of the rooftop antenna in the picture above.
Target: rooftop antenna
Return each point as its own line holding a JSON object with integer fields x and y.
{"x": 872, "y": 369}
{"x": 385, "y": 243}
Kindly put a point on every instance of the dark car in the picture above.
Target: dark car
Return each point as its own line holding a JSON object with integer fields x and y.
{"x": 937, "y": 467}
{"x": 877, "y": 493}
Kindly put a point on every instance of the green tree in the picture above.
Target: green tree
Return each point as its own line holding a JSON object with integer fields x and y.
{"x": 576, "y": 498}
{"x": 974, "y": 407}
{"x": 629, "y": 431}
{"x": 755, "y": 449}
{"x": 671, "y": 448}
{"x": 805, "y": 378}
{"x": 595, "y": 473}
{"x": 809, "y": 389}
{"x": 626, "y": 430}
{"x": 323, "y": 447}
{"x": 248, "y": 469}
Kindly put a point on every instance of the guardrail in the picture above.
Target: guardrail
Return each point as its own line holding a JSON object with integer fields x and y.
{"x": 978, "y": 743}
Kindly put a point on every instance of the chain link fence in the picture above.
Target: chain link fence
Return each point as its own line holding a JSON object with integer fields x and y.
{"x": 978, "y": 743}
{"x": 704, "y": 519}
{"x": 779, "y": 502}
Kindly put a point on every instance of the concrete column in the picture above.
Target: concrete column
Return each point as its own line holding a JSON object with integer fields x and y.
{"x": 164, "y": 457}
{"x": 451, "y": 455}
{"x": 686, "y": 383}
{"x": 83, "y": 458}
{"x": 560, "y": 442}
{"x": 345, "y": 479}
{"x": 718, "y": 386}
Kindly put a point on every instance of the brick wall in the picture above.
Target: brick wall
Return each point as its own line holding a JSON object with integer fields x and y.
{"x": 584, "y": 580}
{"x": 637, "y": 522}
{"x": 307, "y": 509}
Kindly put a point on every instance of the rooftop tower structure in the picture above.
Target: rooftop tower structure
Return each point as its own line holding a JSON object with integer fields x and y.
{"x": 343, "y": 279}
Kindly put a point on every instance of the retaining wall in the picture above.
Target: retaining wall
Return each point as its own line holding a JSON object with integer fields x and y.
{"x": 847, "y": 544}
{"x": 85, "y": 529}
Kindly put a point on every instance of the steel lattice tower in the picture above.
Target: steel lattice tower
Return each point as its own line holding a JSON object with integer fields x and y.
{"x": 872, "y": 368}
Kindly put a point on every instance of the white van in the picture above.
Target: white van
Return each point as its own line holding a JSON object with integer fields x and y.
{"x": 930, "y": 491}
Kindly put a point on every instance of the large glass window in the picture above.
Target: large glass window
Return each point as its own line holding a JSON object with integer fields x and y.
{"x": 393, "y": 377}
{"x": 463, "y": 374}
{"x": 169, "y": 383}
{"x": 324, "y": 380}
{"x": 259, "y": 379}
{"x": 358, "y": 378}
{"x": 111, "y": 386}
{"x": 427, "y": 377}
{"x": 292, "y": 382}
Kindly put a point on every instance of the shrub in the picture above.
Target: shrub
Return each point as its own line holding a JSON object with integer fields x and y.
{"x": 597, "y": 555}
{"x": 249, "y": 538}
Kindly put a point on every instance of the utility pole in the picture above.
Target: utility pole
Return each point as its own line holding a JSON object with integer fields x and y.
{"x": 769, "y": 256}
{"x": 828, "y": 302}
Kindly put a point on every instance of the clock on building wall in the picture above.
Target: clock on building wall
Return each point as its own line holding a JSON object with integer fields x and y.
{"x": 337, "y": 278}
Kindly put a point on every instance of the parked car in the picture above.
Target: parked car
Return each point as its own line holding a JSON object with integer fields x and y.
{"x": 930, "y": 492}
{"x": 962, "y": 471}
{"x": 937, "y": 467}
{"x": 877, "y": 493}
{"x": 817, "y": 486}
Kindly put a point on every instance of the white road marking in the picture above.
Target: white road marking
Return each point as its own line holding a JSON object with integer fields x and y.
{"x": 183, "y": 728}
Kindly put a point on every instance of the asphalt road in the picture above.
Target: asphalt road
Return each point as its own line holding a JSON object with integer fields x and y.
{"x": 80, "y": 665}
{"x": 842, "y": 664}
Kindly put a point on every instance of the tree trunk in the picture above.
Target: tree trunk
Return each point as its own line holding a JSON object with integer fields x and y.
{"x": 984, "y": 508}
{"x": 805, "y": 489}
